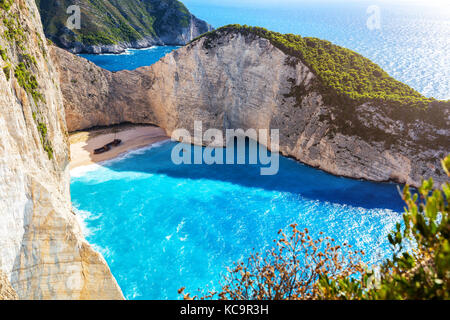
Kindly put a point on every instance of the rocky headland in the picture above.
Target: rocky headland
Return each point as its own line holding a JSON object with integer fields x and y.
{"x": 112, "y": 26}
{"x": 243, "y": 78}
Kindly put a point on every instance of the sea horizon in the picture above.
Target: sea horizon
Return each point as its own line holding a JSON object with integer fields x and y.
{"x": 412, "y": 44}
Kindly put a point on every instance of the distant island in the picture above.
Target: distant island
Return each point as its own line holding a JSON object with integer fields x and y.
{"x": 112, "y": 26}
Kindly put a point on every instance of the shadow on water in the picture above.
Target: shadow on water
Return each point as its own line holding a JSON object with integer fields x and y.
{"x": 293, "y": 177}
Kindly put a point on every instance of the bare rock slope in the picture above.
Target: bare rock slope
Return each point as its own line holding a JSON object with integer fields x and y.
{"x": 6, "y": 291}
{"x": 243, "y": 81}
{"x": 43, "y": 254}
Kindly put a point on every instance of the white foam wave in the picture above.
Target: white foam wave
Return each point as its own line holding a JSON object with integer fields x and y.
{"x": 133, "y": 152}
{"x": 83, "y": 217}
{"x": 142, "y": 49}
{"x": 81, "y": 171}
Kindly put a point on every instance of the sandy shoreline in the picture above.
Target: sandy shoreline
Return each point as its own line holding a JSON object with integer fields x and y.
{"x": 83, "y": 144}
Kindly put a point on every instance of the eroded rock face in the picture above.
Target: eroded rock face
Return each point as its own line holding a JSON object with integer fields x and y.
{"x": 6, "y": 291}
{"x": 43, "y": 253}
{"x": 245, "y": 82}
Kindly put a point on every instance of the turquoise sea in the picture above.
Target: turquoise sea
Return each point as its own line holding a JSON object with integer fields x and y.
{"x": 131, "y": 59}
{"x": 162, "y": 226}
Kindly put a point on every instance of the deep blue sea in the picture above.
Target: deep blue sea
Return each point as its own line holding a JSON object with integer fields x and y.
{"x": 162, "y": 226}
{"x": 131, "y": 59}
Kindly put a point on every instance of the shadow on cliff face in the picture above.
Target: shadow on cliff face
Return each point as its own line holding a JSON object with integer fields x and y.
{"x": 293, "y": 177}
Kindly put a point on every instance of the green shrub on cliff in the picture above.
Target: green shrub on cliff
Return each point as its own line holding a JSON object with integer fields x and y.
{"x": 6, "y": 4}
{"x": 421, "y": 273}
{"x": 7, "y": 71}
{"x": 93, "y": 39}
{"x": 23, "y": 64}
{"x": 3, "y": 54}
{"x": 13, "y": 32}
{"x": 42, "y": 128}
{"x": 27, "y": 80}
{"x": 348, "y": 73}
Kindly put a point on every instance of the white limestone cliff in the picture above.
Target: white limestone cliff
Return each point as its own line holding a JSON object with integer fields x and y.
{"x": 43, "y": 254}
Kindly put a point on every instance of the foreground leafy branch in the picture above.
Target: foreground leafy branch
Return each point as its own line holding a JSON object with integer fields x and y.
{"x": 420, "y": 273}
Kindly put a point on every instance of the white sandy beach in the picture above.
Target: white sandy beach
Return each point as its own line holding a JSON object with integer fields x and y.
{"x": 83, "y": 144}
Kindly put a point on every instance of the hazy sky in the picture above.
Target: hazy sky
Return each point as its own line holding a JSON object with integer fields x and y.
{"x": 434, "y": 3}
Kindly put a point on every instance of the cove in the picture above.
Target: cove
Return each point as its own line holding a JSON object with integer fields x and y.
{"x": 131, "y": 59}
{"x": 162, "y": 226}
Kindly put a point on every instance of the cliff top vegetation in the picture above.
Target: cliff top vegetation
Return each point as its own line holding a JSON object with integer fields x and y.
{"x": 351, "y": 75}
